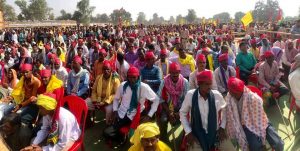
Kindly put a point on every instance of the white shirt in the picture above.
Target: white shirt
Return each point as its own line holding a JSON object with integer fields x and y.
{"x": 62, "y": 74}
{"x": 194, "y": 83}
{"x": 122, "y": 100}
{"x": 294, "y": 81}
{"x": 69, "y": 130}
{"x": 219, "y": 78}
{"x": 122, "y": 69}
{"x": 204, "y": 110}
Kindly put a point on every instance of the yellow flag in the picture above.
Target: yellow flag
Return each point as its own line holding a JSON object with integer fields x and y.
{"x": 247, "y": 19}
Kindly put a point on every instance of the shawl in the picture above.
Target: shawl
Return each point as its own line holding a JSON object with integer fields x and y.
{"x": 253, "y": 117}
{"x": 174, "y": 90}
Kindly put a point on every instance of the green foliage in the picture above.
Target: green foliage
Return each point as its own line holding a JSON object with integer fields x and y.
{"x": 238, "y": 16}
{"x": 264, "y": 12}
{"x": 120, "y": 14}
{"x": 8, "y": 11}
{"x": 84, "y": 13}
{"x": 222, "y": 17}
{"x": 64, "y": 15}
{"x": 141, "y": 19}
{"x": 191, "y": 16}
{"x": 35, "y": 10}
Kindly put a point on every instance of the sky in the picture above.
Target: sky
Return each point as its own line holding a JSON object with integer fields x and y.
{"x": 167, "y": 8}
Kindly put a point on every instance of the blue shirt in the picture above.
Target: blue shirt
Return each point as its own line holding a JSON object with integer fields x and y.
{"x": 83, "y": 84}
{"x": 152, "y": 76}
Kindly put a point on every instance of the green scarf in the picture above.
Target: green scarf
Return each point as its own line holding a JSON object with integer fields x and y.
{"x": 134, "y": 96}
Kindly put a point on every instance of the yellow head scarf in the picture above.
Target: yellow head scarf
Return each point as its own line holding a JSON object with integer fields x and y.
{"x": 53, "y": 84}
{"x": 145, "y": 130}
{"x": 46, "y": 102}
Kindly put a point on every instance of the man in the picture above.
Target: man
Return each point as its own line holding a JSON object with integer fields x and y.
{"x": 60, "y": 127}
{"x": 231, "y": 57}
{"x": 279, "y": 42}
{"x": 296, "y": 28}
{"x": 78, "y": 79}
{"x": 288, "y": 57}
{"x": 223, "y": 73}
{"x": 104, "y": 90}
{"x": 204, "y": 107}
{"x": 23, "y": 96}
{"x": 245, "y": 61}
{"x": 98, "y": 65}
{"x": 201, "y": 64}
{"x": 122, "y": 66}
{"x": 208, "y": 57}
{"x": 186, "y": 62}
{"x": 129, "y": 102}
{"x": 172, "y": 91}
{"x": 15, "y": 134}
{"x": 269, "y": 78}
{"x": 151, "y": 74}
{"x": 85, "y": 50}
{"x": 254, "y": 50}
{"x": 163, "y": 63}
{"x": 131, "y": 55}
{"x": 247, "y": 122}
{"x": 60, "y": 72}
{"x": 146, "y": 137}
{"x": 294, "y": 79}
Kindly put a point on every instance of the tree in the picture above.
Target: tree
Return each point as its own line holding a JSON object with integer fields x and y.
{"x": 172, "y": 20}
{"x": 9, "y": 13}
{"x": 104, "y": 18}
{"x": 266, "y": 12}
{"x": 2, "y": 3}
{"x": 222, "y": 17}
{"x": 141, "y": 19}
{"x": 179, "y": 19}
{"x": 238, "y": 16}
{"x": 155, "y": 18}
{"x": 76, "y": 16}
{"x": 85, "y": 10}
{"x": 120, "y": 15}
{"x": 64, "y": 15}
{"x": 36, "y": 10}
{"x": 191, "y": 16}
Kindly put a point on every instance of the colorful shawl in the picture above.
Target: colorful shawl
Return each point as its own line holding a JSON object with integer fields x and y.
{"x": 189, "y": 60}
{"x": 174, "y": 90}
{"x": 253, "y": 117}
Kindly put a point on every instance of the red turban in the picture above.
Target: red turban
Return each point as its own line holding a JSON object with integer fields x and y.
{"x": 149, "y": 55}
{"x": 174, "y": 66}
{"x": 107, "y": 64}
{"x": 253, "y": 41}
{"x": 177, "y": 40}
{"x": 73, "y": 44}
{"x": 133, "y": 71}
{"x": 278, "y": 35}
{"x": 235, "y": 85}
{"x": 205, "y": 50}
{"x": 223, "y": 57}
{"x": 77, "y": 59}
{"x": 57, "y": 61}
{"x": 47, "y": 47}
{"x": 103, "y": 52}
{"x": 268, "y": 54}
{"x": 163, "y": 52}
{"x": 80, "y": 41}
{"x": 45, "y": 73}
{"x": 208, "y": 41}
{"x": 205, "y": 75}
{"x": 201, "y": 57}
{"x": 51, "y": 55}
{"x": 26, "y": 67}
{"x": 219, "y": 39}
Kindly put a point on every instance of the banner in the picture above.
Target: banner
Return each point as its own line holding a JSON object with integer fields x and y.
{"x": 1, "y": 20}
{"x": 247, "y": 19}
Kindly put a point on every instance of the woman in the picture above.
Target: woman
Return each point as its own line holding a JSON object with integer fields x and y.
{"x": 140, "y": 63}
{"x": 10, "y": 80}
